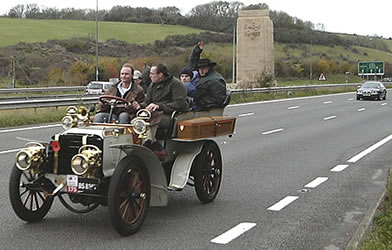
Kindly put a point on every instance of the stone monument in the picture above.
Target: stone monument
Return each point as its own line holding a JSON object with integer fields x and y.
{"x": 255, "y": 46}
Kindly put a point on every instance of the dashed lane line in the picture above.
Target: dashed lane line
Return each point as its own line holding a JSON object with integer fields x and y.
{"x": 327, "y": 102}
{"x": 339, "y": 168}
{"x": 293, "y": 107}
{"x": 283, "y": 203}
{"x": 316, "y": 182}
{"x": 329, "y": 117}
{"x": 361, "y": 109}
{"x": 272, "y": 131}
{"x": 247, "y": 114}
{"x": 370, "y": 149}
{"x": 233, "y": 233}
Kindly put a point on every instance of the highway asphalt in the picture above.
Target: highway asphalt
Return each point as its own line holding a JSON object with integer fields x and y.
{"x": 298, "y": 174}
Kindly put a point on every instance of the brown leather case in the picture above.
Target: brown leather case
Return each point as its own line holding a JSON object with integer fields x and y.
{"x": 204, "y": 127}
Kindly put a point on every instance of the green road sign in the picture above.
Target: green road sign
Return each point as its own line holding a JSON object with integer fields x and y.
{"x": 370, "y": 68}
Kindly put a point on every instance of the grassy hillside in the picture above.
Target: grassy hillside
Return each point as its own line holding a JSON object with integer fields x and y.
{"x": 29, "y": 30}
{"x": 285, "y": 52}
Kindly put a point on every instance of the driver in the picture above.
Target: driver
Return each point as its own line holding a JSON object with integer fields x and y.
{"x": 127, "y": 89}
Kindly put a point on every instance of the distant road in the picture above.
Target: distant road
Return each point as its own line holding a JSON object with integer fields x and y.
{"x": 298, "y": 174}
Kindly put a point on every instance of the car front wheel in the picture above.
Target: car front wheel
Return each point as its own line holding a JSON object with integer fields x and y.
{"x": 129, "y": 195}
{"x": 28, "y": 199}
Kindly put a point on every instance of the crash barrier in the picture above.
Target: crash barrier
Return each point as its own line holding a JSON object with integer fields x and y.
{"x": 66, "y": 101}
{"x": 40, "y": 90}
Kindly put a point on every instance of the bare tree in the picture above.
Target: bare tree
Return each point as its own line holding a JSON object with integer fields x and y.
{"x": 17, "y": 11}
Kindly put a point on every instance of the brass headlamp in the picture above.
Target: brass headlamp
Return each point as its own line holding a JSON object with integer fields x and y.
{"x": 76, "y": 117}
{"x": 88, "y": 157}
{"x": 31, "y": 157}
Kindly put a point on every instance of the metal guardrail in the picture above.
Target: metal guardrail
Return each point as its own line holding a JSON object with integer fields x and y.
{"x": 294, "y": 88}
{"x": 7, "y": 105}
{"x": 44, "y": 89}
{"x": 67, "y": 101}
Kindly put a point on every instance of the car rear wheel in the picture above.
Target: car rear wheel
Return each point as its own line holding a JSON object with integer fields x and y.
{"x": 27, "y": 196}
{"x": 129, "y": 196}
{"x": 207, "y": 171}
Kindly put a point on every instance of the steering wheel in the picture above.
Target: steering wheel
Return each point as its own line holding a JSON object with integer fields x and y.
{"x": 107, "y": 99}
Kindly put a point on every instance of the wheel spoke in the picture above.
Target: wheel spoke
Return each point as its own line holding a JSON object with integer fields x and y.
{"x": 136, "y": 203}
{"x": 40, "y": 195}
{"x": 25, "y": 175}
{"x": 27, "y": 199}
{"x": 21, "y": 194}
{"x": 31, "y": 202}
{"x": 36, "y": 201}
{"x": 124, "y": 208}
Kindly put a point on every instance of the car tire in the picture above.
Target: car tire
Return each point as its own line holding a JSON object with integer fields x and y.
{"x": 207, "y": 171}
{"x": 29, "y": 205}
{"x": 129, "y": 195}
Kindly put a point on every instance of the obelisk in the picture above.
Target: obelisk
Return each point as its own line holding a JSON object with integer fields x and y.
{"x": 255, "y": 45}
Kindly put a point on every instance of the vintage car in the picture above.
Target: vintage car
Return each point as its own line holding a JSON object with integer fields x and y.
{"x": 108, "y": 164}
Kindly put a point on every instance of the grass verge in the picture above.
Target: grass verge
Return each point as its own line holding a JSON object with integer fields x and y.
{"x": 19, "y": 117}
{"x": 380, "y": 236}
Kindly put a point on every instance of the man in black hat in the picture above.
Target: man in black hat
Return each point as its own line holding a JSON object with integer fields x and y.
{"x": 211, "y": 87}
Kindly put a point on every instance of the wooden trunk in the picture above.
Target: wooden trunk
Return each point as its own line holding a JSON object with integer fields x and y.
{"x": 205, "y": 127}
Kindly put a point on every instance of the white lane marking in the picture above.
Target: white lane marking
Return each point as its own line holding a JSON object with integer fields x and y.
{"x": 247, "y": 114}
{"x": 350, "y": 99}
{"x": 339, "y": 168}
{"x": 327, "y": 102}
{"x": 370, "y": 149}
{"x": 10, "y": 151}
{"x": 383, "y": 104}
{"x": 29, "y": 128}
{"x": 316, "y": 182}
{"x": 282, "y": 203}
{"x": 233, "y": 233}
{"x": 287, "y": 100}
{"x": 293, "y": 107}
{"x": 361, "y": 109}
{"x": 272, "y": 131}
{"x": 329, "y": 118}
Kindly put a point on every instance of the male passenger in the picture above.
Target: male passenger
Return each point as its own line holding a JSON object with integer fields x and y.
{"x": 165, "y": 93}
{"x": 211, "y": 87}
{"x": 127, "y": 89}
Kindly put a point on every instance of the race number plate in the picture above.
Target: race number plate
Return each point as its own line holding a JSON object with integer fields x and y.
{"x": 77, "y": 184}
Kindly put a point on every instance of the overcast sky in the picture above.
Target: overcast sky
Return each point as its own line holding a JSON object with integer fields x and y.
{"x": 362, "y": 17}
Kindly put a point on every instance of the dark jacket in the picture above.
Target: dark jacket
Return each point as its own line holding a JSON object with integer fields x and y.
{"x": 135, "y": 93}
{"x": 210, "y": 91}
{"x": 169, "y": 94}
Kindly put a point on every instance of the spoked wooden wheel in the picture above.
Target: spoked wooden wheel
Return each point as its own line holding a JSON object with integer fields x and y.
{"x": 27, "y": 195}
{"x": 129, "y": 196}
{"x": 207, "y": 170}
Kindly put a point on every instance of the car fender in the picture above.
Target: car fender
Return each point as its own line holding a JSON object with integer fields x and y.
{"x": 187, "y": 152}
{"x": 159, "y": 191}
